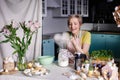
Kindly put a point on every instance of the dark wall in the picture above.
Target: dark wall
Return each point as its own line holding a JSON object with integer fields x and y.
{"x": 101, "y": 11}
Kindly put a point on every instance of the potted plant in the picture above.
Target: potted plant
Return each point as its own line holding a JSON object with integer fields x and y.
{"x": 101, "y": 56}
{"x": 19, "y": 43}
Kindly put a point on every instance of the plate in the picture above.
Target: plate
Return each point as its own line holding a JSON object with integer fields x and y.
{"x": 35, "y": 73}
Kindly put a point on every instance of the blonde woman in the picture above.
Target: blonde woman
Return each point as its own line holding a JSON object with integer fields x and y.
{"x": 79, "y": 40}
{"x": 75, "y": 40}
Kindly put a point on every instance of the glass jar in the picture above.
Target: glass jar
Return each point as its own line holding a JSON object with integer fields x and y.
{"x": 63, "y": 59}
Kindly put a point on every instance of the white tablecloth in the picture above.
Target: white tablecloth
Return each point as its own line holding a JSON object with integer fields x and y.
{"x": 56, "y": 73}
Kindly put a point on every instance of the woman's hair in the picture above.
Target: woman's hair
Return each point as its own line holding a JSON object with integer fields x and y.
{"x": 75, "y": 16}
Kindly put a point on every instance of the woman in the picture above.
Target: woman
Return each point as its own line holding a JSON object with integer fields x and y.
{"x": 76, "y": 40}
{"x": 79, "y": 40}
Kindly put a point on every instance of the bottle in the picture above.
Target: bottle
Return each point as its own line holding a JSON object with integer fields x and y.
{"x": 79, "y": 59}
{"x": 77, "y": 62}
{"x": 63, "y": 59}
{"x": 90, "y": 72}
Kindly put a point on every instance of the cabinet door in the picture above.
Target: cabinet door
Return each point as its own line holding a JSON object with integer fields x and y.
{"x": 85, "y": 8}
{"x": 64, "y": 7}
{"x": 113, "y": 43}
{"x": 79, "y": 6}
{"x": 72, "y": 7}
{"x": 48, "y": 47}
{"x": 44, "y": 8}
{"x": 97, "y": 42}
{"x": 68, "y": 7}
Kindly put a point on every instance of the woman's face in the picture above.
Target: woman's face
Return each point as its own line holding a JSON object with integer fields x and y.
{"x": 74, "y": 26}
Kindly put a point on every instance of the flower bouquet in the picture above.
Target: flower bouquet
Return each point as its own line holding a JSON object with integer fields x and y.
{"x": 116, "y": 15}
{"x": 19, "y": 43}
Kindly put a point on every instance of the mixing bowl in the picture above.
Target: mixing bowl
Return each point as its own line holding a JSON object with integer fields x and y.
{"x": 45, "y": 60}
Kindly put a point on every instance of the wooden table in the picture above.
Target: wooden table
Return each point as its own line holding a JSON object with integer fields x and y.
{"x": 56, "y": 73}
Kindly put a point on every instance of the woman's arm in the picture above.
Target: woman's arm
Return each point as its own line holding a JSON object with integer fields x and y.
{"x": 84, "y": 46}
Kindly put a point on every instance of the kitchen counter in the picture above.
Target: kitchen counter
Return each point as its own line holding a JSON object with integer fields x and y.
{"x": 105, "y": 32}
{"x": 51, "y": 35}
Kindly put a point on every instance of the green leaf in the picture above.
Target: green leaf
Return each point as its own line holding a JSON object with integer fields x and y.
{"x": 15, "y": 52}
{"x": 5, "y": 41}
{"x": 16, "y": 46}
{"x": 18, "y": 39}
{"x": 106, "y": 54}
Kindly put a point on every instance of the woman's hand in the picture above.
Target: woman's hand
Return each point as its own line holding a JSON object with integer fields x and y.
{"x": 76, "y": 43}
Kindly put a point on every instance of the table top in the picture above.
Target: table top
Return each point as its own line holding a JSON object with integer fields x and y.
{"x": 56, "y": 73}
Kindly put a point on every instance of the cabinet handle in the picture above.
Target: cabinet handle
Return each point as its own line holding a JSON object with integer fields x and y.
{"x": 111, "y": 36}
{"x": 48, "y": 41}
{"x": 102, "y": 36}
{"x": 43, "y": 42}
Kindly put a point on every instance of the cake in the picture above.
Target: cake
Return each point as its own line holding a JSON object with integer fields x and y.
{"x": 111, "y": 70}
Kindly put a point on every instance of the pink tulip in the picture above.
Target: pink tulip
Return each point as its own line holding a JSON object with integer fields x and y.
{"x": 29, "y": 24}
{"x": 6, "y": 32}
{"x": 33, "y": 28}
{"x": 15, "y": 24}
{"x": 37, "y": 24}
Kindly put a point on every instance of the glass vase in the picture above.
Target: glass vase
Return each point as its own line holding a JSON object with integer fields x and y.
{"x": 21, "y": 63}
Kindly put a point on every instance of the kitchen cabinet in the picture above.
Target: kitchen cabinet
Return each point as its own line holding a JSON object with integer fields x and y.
{"x": 113, "y": 43}
{"x": 97, "y": 42}
{"x": 101, "y": 10}
{"x": 68, "y": 7}
{"x": 48, "y": 47}
{"x": 107, "y": 42}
